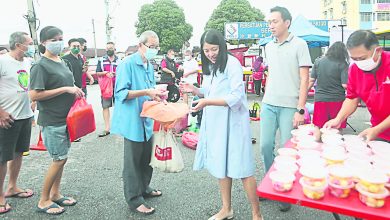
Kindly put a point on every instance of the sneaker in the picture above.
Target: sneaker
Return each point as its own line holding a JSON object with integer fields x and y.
{"x": 284, "y": 207}
{"x": 77, "y": 140}
{"x": 104, "y": 133}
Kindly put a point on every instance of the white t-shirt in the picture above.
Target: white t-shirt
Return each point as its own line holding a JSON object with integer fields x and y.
{"x": 14, "y": 83}
{"x": 189, "y": 66}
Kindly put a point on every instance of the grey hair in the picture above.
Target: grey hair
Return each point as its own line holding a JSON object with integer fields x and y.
{"x": 188, "y": 51}
{"x": 143, "y": 38}
{"x": 17, "y": 38}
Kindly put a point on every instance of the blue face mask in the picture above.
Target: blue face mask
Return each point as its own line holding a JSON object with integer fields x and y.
{"x": 30, "y": 51}
{"x": 150, "y": 53}
{"x": 55, "y": 47}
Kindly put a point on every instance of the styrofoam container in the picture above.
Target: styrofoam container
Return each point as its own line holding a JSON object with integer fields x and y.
{"x": 380, "y": 147}
{"x": 353, "y": 138}
{"x": 329, "y": 131}
{"x": 359, "y": 156}
{"x": 285, "y": 159}
{"x": 286, "y": 167}
{"x": 286, "y": 151}
{"x": 334, "y": 156}
{"x": 308, "y": 144}
{"x": 313, "y": 172}
{"x": 312, "y": 161}
{"x": 332, "y": 139}
{"x": 282, "y": 181}
{"x": 304, "y": 153}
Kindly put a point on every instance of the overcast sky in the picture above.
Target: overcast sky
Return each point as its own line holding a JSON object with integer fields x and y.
{"x": 74, "y": 17}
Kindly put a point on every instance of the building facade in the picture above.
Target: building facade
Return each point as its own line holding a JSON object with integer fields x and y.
{"x": 358, "y": 14}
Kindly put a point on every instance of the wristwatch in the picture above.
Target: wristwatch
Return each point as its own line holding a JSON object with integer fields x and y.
{"x": 301, "y": 111}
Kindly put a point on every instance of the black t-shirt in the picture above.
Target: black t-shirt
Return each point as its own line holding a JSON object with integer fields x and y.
{"x": 47, "y": 74}
{"x": 330, "y": 75}
{"x": 77, "y": 68}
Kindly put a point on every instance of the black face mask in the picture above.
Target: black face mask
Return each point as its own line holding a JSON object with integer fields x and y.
{"x": 85, "y": 48}
{"x": 110, "y": 53}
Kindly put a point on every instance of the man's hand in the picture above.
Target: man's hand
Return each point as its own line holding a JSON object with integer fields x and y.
{"x": 75, "y": 91}
{"x": 173, "y": 74}
{"x": 156, "y": 94}
{"x": 370, "y": 134}
{"x": 33, "y": 106}
{"x": 333, "y": 123}
{"x": 110, "y": 74}
{"x": 298, "y": 119}
{"x": 91, "y": 80}
{"x": 6, "y": 119}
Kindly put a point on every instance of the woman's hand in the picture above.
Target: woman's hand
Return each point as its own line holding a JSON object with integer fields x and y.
{"x": 186, "y": 87}
{"x": 200, "y": 104}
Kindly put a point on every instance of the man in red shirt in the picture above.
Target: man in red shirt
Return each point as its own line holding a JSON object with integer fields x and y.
{"x": 369, "y": 80}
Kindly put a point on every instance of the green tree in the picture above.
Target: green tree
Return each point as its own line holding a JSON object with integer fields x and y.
{"x": 167, "y": 19}
{"x": 233, "y": 11}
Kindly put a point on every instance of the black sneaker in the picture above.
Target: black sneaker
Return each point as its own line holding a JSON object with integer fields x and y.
{"x": 262, "y": 199}
{"x": 284, "y": 207}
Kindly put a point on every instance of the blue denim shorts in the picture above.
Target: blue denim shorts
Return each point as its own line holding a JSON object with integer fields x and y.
{"x": 56, "y": 140}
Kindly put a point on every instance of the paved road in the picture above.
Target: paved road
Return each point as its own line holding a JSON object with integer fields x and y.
{"x": 93, "y": 176}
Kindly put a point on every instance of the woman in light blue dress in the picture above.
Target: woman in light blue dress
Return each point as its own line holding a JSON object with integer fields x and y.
{"x": 224, "y": 147}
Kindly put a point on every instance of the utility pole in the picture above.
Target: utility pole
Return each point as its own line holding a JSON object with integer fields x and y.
{"x": 32, "y": 24}
{"x": 108, "y": 19}
{"x": 94, "y": 36}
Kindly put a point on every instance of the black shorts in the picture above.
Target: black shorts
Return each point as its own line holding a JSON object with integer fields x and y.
{"x": 108, "y": 103}
{"x": 15, "y": 139}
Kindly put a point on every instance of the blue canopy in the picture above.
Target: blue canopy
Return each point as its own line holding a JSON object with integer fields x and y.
{"x": 302, "y": 28}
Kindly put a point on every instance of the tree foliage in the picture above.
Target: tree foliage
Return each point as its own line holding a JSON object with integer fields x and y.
{"x": 233, "y": 11}
{"x": 167, "y": 19}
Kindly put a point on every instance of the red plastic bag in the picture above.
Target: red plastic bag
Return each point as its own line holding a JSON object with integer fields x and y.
{"x": 190, "y": 139}
{"x": 106, "y": 87}
{"x": 80, "y": 120}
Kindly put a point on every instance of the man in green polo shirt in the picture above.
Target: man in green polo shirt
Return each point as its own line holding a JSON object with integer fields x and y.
{"x": 284, "y": 100}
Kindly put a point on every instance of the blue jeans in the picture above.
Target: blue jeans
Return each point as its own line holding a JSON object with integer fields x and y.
{"x": 272, "y": 118}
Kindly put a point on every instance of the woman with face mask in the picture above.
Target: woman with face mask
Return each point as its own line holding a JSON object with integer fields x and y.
{"x": 368, "y": 80}
{"x": 225, "y": 145}
{"x": 52, "y": 86}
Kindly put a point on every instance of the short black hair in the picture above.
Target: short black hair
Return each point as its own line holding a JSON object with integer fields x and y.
{"x": 286, "y": 15}
{"x": 214, "y": 37}
{"x": 4, "y": 48}
{"x": 110, "y": 42}
{"x": 362, "y": 37}
{"x": 82, "y": 40}
{"x": 73, "y": 40}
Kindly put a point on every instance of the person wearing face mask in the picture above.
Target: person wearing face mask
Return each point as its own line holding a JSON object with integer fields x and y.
{"x": 74, "y": 61}
{"x": 15, "y": 115}
{"x": 369, "y": 80}
{"x": 106, "y": 68}
{"x": 169, "y": 68}
{"x": 52, "y": 86}
{"x": 86, "y": 74}
{"x": 135, "y": 85}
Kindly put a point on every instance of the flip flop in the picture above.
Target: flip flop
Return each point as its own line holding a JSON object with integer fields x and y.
{"x": 62, "y": 200}
{"x": 4, "y": 207}
{"x": 20, "y": 195}
{"x": 144, "y": 213}
{"x": 52, "y": 206}
{"x": 153, "y": 193}
{"x": 105, "y": 133}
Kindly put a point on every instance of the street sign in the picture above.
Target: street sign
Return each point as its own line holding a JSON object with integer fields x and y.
{"x": 258, "y": 29}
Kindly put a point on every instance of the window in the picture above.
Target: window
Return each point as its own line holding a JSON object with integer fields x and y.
{"x": 331, "y": 13}
{"x": 383, "y": 16}
{"x": 383, "y": 1}
{"x": 365, "y": 1}
{"x": 365, "y": 16}
{"x": 325, "y": 15}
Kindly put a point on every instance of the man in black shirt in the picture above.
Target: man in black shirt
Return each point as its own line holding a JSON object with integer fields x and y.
{"x": 74, "y": 61}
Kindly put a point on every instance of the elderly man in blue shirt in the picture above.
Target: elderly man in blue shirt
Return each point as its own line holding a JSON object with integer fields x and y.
{"x": 135, "y": 85}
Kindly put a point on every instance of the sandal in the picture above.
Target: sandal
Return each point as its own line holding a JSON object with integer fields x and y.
{"x": 105, "y": 133}
{"x": 26, "y": 193}
{"x": 52, "y": 206}
{"x": 62, "y": 201}
{"x": 4, "y": 208}
{"x": 153, "y": 193}
{"x": 144, "y": 213}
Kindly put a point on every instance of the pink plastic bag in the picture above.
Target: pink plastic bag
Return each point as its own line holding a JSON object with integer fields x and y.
{"x": 190, "y": 139}
{"x": 181, "y": 124}
{"x": 106, "y": 87}
{"x": 80, "y": 120}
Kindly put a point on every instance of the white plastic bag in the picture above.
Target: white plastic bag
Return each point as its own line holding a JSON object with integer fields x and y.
{"x": 166, "y": 155}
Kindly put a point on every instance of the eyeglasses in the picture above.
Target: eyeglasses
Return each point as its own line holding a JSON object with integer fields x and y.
{"x": 152, "y": 47}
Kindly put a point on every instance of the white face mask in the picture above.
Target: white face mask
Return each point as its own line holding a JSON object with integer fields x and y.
{"x": 368, "y": 64}
{"x": 187, "y": 58}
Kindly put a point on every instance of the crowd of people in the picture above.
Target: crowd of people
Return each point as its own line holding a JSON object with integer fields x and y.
{"x": 225, "y": 146}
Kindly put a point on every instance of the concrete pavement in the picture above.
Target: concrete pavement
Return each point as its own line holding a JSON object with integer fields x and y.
{"x": 93, "y": 177}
